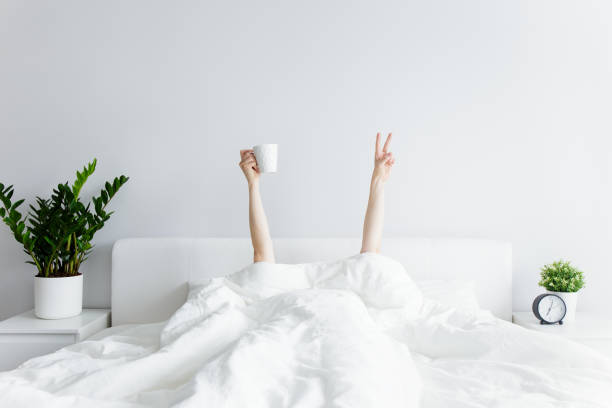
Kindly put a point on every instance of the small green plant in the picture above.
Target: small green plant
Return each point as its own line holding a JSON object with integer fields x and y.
{"x": 57, "y": 232}
{"x": 561, "y": 276}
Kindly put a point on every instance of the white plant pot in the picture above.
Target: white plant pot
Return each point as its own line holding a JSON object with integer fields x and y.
{"x": 570, "y": 299}
{"x": 58, "y": 298}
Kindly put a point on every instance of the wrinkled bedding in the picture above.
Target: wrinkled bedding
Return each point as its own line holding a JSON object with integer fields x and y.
{"x": 351, "y": 333}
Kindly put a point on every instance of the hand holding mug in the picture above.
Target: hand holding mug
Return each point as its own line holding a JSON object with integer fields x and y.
{"x": 248, "y": 164}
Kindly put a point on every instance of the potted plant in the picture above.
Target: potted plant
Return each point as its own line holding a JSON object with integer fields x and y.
{"x": 563, "y": 280}
{"x": 56, "y": 235}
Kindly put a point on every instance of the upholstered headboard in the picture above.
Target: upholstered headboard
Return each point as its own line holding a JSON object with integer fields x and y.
{"x": 150, "y": 275}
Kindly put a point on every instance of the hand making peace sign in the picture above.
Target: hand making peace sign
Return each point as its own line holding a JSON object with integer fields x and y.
{"x": 383, "y": 159}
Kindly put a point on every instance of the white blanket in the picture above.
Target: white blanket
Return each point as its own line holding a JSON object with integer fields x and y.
{"x": 351, "y": 333}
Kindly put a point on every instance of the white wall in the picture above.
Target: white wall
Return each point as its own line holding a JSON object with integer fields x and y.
{"x": 500, "y": 110}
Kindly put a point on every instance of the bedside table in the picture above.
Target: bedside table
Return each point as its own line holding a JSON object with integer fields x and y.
{"x": 591, "y": 330}
{"x": 25, "y": 336}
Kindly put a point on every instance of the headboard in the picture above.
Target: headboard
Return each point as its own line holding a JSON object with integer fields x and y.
{"x": 150, "y": 275}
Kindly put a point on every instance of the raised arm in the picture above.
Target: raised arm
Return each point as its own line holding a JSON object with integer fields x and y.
{"x": 263, "y": 251}
{"x": 375, "y": 214}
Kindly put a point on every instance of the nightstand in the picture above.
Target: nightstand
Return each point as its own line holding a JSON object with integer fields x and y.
{"x": 588, "y": 329}
{"x": 25, "y": 336}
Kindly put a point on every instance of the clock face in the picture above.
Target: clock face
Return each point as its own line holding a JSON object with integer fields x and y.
{"x": 551, "y": 308}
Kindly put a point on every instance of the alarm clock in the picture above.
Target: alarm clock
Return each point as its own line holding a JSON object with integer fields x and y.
{"x": 549, "y": 308}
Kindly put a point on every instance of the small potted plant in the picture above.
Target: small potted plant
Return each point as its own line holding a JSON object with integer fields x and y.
{"x": 56, "y": 235}
{"x": 564, "y": 280}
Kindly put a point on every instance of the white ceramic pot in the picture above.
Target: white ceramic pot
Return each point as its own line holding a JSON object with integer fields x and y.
{"x": 58, "y": 298}
{"x": 570, "y": 299}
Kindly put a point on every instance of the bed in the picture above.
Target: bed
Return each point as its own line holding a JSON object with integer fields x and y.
{"x": 349, "y": 330}
{"x": 136, "y": 298}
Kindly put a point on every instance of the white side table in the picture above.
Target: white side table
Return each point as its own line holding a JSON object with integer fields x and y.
{"x": 588, "y": 329}
{"x": 25, "y": 336}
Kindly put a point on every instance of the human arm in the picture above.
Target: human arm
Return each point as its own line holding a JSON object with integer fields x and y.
{"x": 263, "y": 250}
{"x": 375, "y": 213}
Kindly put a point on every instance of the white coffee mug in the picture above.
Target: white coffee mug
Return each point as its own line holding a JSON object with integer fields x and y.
{"x": 267, "y": 157}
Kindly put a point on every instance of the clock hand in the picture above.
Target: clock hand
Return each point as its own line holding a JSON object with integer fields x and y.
{"x": 549, "y": 307}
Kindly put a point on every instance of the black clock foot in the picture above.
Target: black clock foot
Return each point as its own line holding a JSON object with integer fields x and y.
{"x": 560, "y": 321}
{"x": 541, "y": 321}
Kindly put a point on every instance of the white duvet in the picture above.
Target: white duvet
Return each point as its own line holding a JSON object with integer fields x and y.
{"x": 351, "y": 333}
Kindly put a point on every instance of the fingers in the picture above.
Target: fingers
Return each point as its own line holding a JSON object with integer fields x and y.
{"x": 386, "y": 146}
{"x": 387, "y": 159}
{"x": 248, "y": 161}
{"x": 390, "y": 161}
{"x": 245, "y": 152}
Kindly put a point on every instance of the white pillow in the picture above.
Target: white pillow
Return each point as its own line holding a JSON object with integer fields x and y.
{"x": 456, "y": 293}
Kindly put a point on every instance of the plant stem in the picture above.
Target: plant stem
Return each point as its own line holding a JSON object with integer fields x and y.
{"x": 35, "y": 261}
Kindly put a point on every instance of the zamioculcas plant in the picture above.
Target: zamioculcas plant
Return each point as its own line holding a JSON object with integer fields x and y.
{"x": 57, "y": 232}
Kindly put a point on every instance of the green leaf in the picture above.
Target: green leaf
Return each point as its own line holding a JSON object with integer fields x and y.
{"x": 81, "y": 177}
{"x": 17, "y": 204}
{"x": 97, "y": 205}
{"x": 15, "y": 215}
{"x": 49, "y": 241}
{"x": 5, "y": 197}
